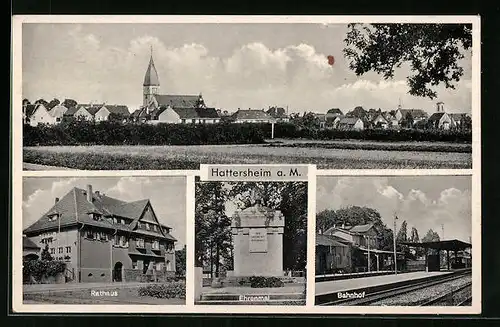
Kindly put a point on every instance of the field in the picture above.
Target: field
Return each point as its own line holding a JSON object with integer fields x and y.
{"x": 326, "y": 155}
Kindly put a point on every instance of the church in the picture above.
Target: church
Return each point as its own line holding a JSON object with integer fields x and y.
{"x": 170, "y": 108}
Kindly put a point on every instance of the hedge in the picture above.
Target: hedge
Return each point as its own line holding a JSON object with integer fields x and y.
{"x": 169, "y": 290}
{"x": 264, "y": 282}
{"x": 43, "y": 268}
{"x": 117, "y": 133}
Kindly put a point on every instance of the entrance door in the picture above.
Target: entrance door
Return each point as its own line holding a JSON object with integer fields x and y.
{"x": 145, "y": 267}
{"x": 117, "y": 272}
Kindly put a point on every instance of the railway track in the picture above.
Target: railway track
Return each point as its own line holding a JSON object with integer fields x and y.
{"x": 399, "y": 290}
{"x": 449, "y": 297}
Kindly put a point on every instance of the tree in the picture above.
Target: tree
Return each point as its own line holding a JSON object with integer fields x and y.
{"x": 213, "y": 241}
{"x": 180, "y": 262}
{"x": 407, "y": 120}
{"x": 26, "y": 102}
{"x": 46, "y": 254}
{"x": 116, "y": 117}
{"x": 414, "y": 238}
{"x": 69, "y": 103}
{"x": 432, "y": 51}
{"x": 431, "y": 236}
{"x": 42, "y": 101}
{"x": 325, "y": 219}
{"x": 54, "y": 102}
{"x": 291, "y": 199}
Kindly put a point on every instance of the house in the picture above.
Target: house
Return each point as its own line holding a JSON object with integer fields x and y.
{"x": 38, "y": 114}
{"x": 103, "y": 239}
{"x": 415, "y": 114}
{"x": 460, "y": 119}
{"x": 440, "y": 120}
{"x": 251, "y": 116}
{"x": 58, "y": 112}
{"x": 350, "y": 123}
{"x": 392, "y": 121}
{"x": 185, "y": 116}
{"x": 82, "y": 111}
{"x": 31, "y": 251}
{"x": 333, "y": 255}
{"x": 279, "y": 114}
{"x": 380, "y": 122}
{"x": 357, "y": 112}
{"x": 120, "y": 111}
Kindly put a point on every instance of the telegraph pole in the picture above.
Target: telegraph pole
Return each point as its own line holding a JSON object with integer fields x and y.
{"x": 394, "y": 241}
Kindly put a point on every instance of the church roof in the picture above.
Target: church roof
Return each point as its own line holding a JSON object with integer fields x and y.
{"x": 151, "y": 77}
{"x": 178, "y": 101}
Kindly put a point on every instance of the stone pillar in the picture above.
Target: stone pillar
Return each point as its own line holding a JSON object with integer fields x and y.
{"x": 258, "y": 242}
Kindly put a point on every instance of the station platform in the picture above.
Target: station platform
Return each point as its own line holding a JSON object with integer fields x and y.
{"x": 344, "y": 285}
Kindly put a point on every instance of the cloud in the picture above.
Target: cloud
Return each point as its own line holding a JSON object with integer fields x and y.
{"x": 79, "y": 64}
{"x": 451, "y": 208}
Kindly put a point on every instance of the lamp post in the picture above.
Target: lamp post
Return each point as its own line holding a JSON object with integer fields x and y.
{"x": 394, "y": 241}
{"x": 368, "y": 247}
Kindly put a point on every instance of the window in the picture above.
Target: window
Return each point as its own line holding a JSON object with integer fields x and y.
{"x": 139, "y": 225}
{"x": 68, "y": 249}
{"x": 139, "y": 242}
{"x": 61, "y": 250}
{"x": 103, "y": 236}
{"x": 123, "y": 221}
{"x": 123, "y": 241}
{"x": 53, "y": 217}
{"x": 91, "y": 235}
{"x": 115, "y": 221}
{"x": 155, "y": 228}
{"x": 183, "y": 121}
{"x": 147, "y": 226}
{"x": 134, "y": 264}
{"x": 155, "y": 245}
{"x": 159, "y": 266}
{"x": 52, "y": 251}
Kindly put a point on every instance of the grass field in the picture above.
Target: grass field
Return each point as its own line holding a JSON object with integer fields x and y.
{"x": 189, "y": 157}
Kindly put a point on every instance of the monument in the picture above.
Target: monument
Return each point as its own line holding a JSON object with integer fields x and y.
{"x": 257, "y": 233}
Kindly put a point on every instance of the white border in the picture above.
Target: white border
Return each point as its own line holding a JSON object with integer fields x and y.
{"x": 18, "y": 174}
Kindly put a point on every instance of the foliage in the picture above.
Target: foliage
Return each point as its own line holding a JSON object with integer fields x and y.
{"x": 39, "y": 269}
{"x": 431, "y": 236}
{"x": 213, "y": 245}
{"x": 433, "y": 52}
{"x": 42, "y": 101}
{"x": 45, "y": 256}
{"x": 68, "y": 103}
{"x": 264, "y": 282}
{"x": 81, "y": 132}
{"x": 180, "y": 262}
{"x": 407, "y": 120}
{"x": 164, "y": 291}
{"x": 54, "y": 102}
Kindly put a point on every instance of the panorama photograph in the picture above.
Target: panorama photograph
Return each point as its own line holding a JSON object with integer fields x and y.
{"x": 171, "y": 96}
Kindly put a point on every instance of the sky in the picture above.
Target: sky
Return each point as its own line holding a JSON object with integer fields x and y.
{"x": 167, "y": 196}
{"x": 425, "y": 202}
{"x": 232, "y": 65}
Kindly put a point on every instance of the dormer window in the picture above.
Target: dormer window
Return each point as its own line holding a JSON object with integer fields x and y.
{"x": 53, "y": 216}
{"x": 95, "y": 215}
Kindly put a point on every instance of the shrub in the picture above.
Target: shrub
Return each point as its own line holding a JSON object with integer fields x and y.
{"x": 262, "y": 282}
{"x": 43, "y": 268}
{"x": 164, "y": 291}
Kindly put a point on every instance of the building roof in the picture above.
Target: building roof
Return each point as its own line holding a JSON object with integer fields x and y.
{"x": 29, "y": 244}
{"x": 178, "y": 101}
{"x": 441, "y": 245}
{"x": 335, "y": 111}
{"x": 415, "y": 113}
{"x": 327, "y": 240}
{"x": 74, "y": 208}
{"x": 251, "y": 114}
{"x": 187, "y": 113}
{"x": 277, "y": 112}
{"x": 361, "y": 228}
{"x": 436, "y": 116}
{"x": 30, "y": 109}
{"x": 457, "y": 116}
{"x": 348, "y": 120}
{"x": 379, "y": 116}
{"x": 151, "y": 76}
{"x": 118, "y": 109}
{"x": 71, "y": 111}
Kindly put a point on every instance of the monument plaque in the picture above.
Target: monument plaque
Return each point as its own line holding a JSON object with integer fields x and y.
{"x": 258, "y": 240}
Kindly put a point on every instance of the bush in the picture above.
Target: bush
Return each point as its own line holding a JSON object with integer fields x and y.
{"x": 117, "y": 133}
{"x": 164, "y": 291}
{"x": 263, "y": 282}
{"x": 43, "y": 268}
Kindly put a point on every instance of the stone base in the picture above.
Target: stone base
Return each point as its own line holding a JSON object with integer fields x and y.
{"x": 245, "y": 280}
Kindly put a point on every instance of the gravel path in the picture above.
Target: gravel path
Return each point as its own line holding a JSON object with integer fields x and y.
{"x": 418, "y": 297}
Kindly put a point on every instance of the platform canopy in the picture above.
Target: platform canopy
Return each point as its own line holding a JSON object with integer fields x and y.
{"x": 453, "y": 245}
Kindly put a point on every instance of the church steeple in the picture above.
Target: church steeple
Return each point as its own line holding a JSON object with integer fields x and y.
{"x": 151, "y": 81}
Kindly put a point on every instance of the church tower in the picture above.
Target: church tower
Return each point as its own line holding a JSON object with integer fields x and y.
{"x": 151, "y": 83}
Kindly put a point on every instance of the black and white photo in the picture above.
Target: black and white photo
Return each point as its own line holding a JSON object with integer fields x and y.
{"x": 360, "y": 262}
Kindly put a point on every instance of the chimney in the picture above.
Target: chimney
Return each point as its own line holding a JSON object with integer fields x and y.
{"x": 440, "y": 107}
{"x": 57, "y": 200}
{"x": 89, "y": 193}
